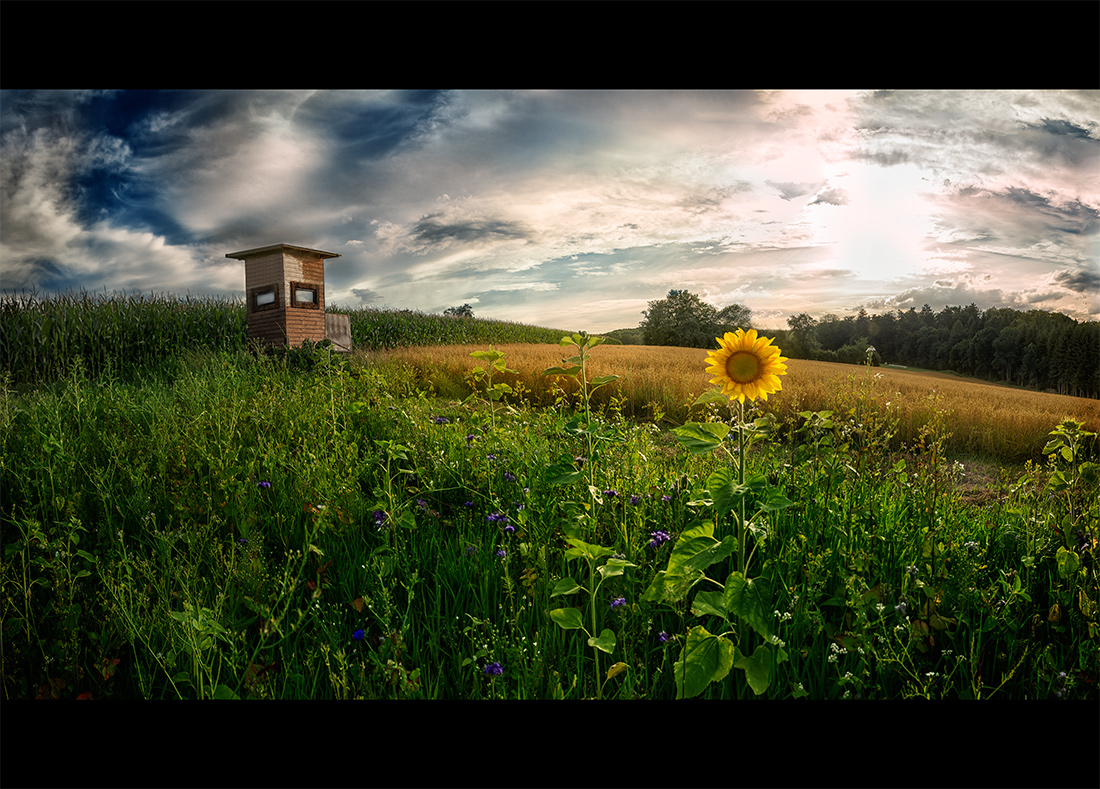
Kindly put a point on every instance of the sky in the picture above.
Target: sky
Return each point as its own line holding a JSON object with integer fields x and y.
{"x": 568, "y": 209}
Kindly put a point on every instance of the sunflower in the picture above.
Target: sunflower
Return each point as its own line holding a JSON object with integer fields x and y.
{"x": 746, "y": 366}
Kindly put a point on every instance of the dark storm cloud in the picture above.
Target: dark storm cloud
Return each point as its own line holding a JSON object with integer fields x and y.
{"x": 1079, "y": 281}
{"x": 430, "y": 231}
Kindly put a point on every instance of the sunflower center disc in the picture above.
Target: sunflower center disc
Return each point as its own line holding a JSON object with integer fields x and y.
{"x": 743, "y": 367}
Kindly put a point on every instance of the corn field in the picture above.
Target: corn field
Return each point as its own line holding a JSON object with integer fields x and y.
{"x": 42, "y": 338}
{"x": 377, "y": 330}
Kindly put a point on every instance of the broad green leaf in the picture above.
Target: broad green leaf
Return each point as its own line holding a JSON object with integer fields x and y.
{"x": 1068, "y": 563}
{"x": 709, "y": 604}
{"x": 605, "y": 643}
{"x": 565, "y": 586}
{"x": 561, "y": 371}
{"x": 586, "y": 550}
{"x": 671, "y": 588}
{"x": 751, "y": 600}
{"x": 758, "y": 668}
{"x": 603, "y": 379}
{"x": 697, "y": 549}
{"x": 699, "y": 438}
{"x": 774, "y": 499}
{"x": 725, "y": 493}
{"x": 614, "y": 567}
{"x": 567, "y": 618}
{"x": 562, "y": 473}
{"x": 225, "y": 692}
{"x": 706, "y": 658}
{"x": 711, "y": 396}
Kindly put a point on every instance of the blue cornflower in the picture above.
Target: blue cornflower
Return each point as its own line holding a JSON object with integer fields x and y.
{"x": 666, "y": 498}
{"x": 635, "y": 499}
{"x": 501, "y": 553}
{"x": 379, "y": 518}
{"x": 662, "y": 636}
{"x": 497, "y": 517}
{"x": 618, "y": 601}
{"x": 510, "y": 529}
{"x": 263, "y": 484}
{"x": 441, "y": 420}
{"x": 659, "y": 537}
{"x": 493, "y": 669}
{"x": 509, "y": 476}
{"x": 611, "y": 493}
{"x": 358, "y": 635}
{"x": 470, "y": 438}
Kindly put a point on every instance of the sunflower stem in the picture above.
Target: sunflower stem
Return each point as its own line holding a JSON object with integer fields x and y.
{"x": 741, "y": 482}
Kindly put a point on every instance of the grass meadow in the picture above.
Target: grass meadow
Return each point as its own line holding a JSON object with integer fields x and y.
{"x": 421, "y": 523}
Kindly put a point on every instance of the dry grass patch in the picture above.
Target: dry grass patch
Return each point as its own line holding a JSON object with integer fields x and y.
{"x": 982, "y": 417}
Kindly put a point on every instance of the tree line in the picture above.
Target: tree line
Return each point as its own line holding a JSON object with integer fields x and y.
{"x": 1038, "y": 349}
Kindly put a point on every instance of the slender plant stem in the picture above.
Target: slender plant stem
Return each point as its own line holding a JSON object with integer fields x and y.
{"x": 741, "y": 481}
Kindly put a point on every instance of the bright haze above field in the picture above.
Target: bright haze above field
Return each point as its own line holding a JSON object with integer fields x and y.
{"x": 567, "y": 209}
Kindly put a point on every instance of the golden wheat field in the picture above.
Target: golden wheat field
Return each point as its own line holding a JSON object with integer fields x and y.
{"x": 981, "y": 417}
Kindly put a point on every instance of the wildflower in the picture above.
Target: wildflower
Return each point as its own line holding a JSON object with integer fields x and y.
{"x": 662, "y": 636}
{"x": 666, "y": 498}
{"x": 510, "y": 529}
{"x": 379, "y": 518}
{"x": 902, "y": 608}
{"x": 746, "y": 366}
{"x": 441, "y": 420}
{"x": 263, "y": 484}
{"x": 491, "y": 457}
{"x": 912, "y": 570}
{"x": 501, "y": 553}
{"x": 618, "y": 601}
{"x": 635, "y": 499}
{"x": 493, "y": 669}
{"x": 509, "y": 476}
{"x": 659, "y": 537}
{"x": 611, "y": 493}
{"x": 470, "y": 438}
{"x": 358, "y": 635}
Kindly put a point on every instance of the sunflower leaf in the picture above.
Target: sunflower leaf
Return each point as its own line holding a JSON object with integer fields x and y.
{"x": 699, "y": 438}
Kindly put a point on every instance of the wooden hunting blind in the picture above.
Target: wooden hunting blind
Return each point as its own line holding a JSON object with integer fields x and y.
{"x": 285, "y": 294}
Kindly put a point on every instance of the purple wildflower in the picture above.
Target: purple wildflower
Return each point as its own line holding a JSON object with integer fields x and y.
{"x": 618, "y": 601}
{"x": 659, "y": 537}
{"x": 662, "y": 636}
{"x": 358, "y": 635}
{"x": 441, "y": 420}
{"x": 493, "y": 669}
{"x": 263, "y": 484}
